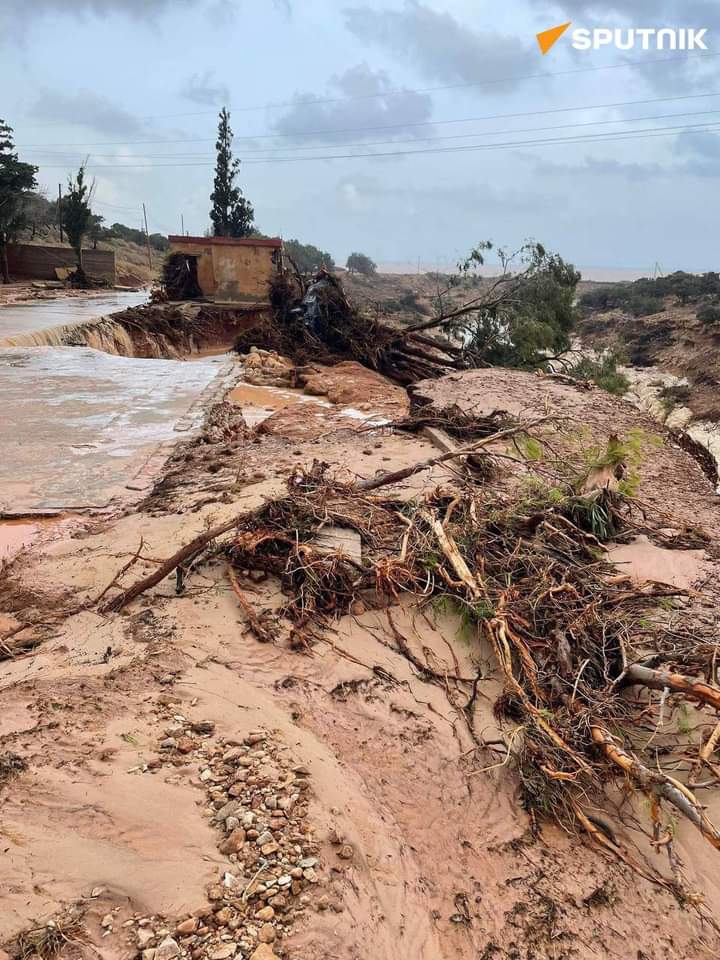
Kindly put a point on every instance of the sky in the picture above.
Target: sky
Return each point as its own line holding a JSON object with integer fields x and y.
{"x": 408, "y": 130}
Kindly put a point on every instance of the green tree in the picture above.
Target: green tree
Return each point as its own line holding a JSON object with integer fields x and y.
{"x": 17, "y": 181}
{"x": 76, "y": 213}
{"x": 361, "y": 263}
{"x": 521, "y": 316}
{"x": 231, "y": 214}
{"x": 96, "y": 231}
{"x": 307, "y": 257}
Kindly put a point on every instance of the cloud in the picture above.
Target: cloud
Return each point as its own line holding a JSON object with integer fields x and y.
{"x": 441, "y": 47}
{"x": 702, "y": 153}
{"x": 201, "y": 88}
{"x": 17, "y": 16}
{"x": 376, "y": 103}
{"x": 89, "y": 110}
{"x": 596, "y": 168}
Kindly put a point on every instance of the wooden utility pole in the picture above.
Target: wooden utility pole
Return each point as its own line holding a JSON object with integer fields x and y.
{"x": 60, "y": 211}
{"x": 182, "y": 225}
{"x": 147, "y": 238}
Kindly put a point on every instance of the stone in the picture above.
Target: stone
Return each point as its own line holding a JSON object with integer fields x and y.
{"x": 224, "y": 916}
{"x": 185, "y": 745}
{"x": 107, "y": 921}
{"x": 263, "y": 951}
{"x": 255, "y": 736}
{"x": 144, "y": 937}
{"x": 232, "y": 823}
{"x": 167, "y": 950}
{"x": 228, "y": 810}
{"x": 148, "y": 954}
{"x": 223, "y": 952}
{"x": 269, "y": 848}
{"x": 265, "y": 837}
{"x": 267, "y": 913}
{"x": 204, "y": 727}
{"x": 308, "y": 862}
{"x": 296, "y": 888}
{"x": 266, "y": 934}
{"x": 345, "y": 852}
{"x": 170, "y": 743}
{"x": 234, "y": 843}
{"x": 188, "y": 926}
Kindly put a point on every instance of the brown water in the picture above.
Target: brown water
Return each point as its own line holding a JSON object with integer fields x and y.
{"x": 259, "y": 403}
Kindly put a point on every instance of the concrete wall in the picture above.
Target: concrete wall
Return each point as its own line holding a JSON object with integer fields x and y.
{"x": 234, "y": 271}
{"x": 29, "y": 261}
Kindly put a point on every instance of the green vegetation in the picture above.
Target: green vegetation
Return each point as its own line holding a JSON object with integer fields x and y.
{"x": 647, "y": 296}
{"x": 76, "y": 213}
{"x": 17, "y": 181}
{"x": 308, "y": 258}
{"x": 708, "y": 314}
{"x": 603, "y": 371}
{"x": 361, "y": 263}
{"x": 518, "y": 318}
{"x": 119, "y": 231}
{"x": 231, "y": 214}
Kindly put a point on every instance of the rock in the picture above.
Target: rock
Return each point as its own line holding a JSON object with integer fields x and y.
{"x": 204, "y": 727}
{"x": 107, "y": 921}
{"x": 345, "y": 852}
{"x": 266, "y": 933}
{"x": 170, "y": 743}
{"x": 228, "y": 810}
{"x": 234, "y": 843}
{"x": 232, "y": 823}
{"x": 144, "y": 937}
{"x": 187, "y": 926}
{"x": 167, "y": 950}
{"x": 148, "y": 954}
{"x": 185, "y": 745}
{"x": 224, "y": 951}
{"x": 269, "y": 848}
{"x": 263, "y": 952}
{"x": 255, "y": 736}
{"x": 308, "y": 862}
{"x": 223, "y": 916}
{"x": 267, "y": 913}
{"x": 265, "y": 837}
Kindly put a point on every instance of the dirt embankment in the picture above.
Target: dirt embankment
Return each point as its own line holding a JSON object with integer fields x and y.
{"x": 180, "y": 789}
{"x": 673, "y": 341}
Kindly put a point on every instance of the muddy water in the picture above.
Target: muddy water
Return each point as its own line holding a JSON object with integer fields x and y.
{"x": 82, "y": 429}
{"x": 29, "y": 317}
{"x": 259, "y": 403}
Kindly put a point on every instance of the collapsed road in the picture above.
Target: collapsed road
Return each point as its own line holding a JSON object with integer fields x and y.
{"x": 332, "y": 690}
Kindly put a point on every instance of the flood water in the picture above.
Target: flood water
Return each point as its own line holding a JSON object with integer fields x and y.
{"x": 33, "y": 315}
{"x": 81, "y": 429}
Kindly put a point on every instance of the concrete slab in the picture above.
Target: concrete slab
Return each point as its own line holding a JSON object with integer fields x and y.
{"x": 80, "y": 428}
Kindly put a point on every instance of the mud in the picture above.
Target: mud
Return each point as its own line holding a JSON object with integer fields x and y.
{"x": 439, "y": 860}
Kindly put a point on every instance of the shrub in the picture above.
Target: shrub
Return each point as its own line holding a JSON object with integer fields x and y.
{"x": 708, "y": 313}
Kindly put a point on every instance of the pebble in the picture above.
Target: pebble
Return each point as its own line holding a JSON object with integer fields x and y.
{"x": 345, "y": 852}
{"x": 223, "y": 952}
{"x": 167, "y": 950}
{"x": 204, "y": 727}
{"x": 266, "y": 933}
{"x": 265, "y": 837}
{"x": 185, "y": 745}
{"x": 107, "y": 921}
{"x": 188, "y": 926}
{"x": 234, "y": 843}
{"x": 263, "y": 952}
{"x": 269, "y": 848}
{"x": 144, "y": 936}
{"x": 266, "y": 913}
{"x": 170, "y": 743}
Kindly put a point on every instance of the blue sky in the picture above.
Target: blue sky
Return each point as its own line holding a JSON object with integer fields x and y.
{"x": 136, "y": 85}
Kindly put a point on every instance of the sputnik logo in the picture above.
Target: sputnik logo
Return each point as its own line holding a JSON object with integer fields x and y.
{"x": 547, "y": 39}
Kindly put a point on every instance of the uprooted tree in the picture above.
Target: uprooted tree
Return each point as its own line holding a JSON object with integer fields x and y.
{"x": 17, "y": 182}
{"x": 515, "y": 318}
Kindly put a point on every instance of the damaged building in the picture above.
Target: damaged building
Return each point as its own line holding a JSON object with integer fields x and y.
{"x": 225, "y": 269}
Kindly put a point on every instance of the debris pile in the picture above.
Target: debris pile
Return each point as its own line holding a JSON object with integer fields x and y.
{"x": 319, "y": 324}
{"x": 580, "y": 649}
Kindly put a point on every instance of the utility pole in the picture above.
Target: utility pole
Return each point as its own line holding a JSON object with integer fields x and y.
{"x": 147, "y": 238}
{"x": 60, "y": 211}
{"x": 182, "y": 225}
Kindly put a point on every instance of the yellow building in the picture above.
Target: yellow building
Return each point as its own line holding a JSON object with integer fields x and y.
{"x": 230, "y": 270}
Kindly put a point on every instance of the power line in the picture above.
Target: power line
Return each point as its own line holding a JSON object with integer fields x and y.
{"x": 584, "y": 138}
{"x": 389, "y": 126}
{"x": 403, "y": 92}
{"x": 375, "y": 143}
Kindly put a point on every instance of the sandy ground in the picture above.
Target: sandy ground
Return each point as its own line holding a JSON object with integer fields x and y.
{"x": 131, "y": 726}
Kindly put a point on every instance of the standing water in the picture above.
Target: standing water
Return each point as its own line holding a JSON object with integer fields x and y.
{"x": 33, "y": 315}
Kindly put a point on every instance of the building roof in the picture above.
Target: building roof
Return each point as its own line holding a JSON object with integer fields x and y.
{"x": 274, "y": 242}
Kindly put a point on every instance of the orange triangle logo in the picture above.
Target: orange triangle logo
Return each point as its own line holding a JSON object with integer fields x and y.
{"x": 547, "y": 38}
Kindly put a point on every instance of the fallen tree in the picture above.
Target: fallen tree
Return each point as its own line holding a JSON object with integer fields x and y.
{"x": 511, "y": 319}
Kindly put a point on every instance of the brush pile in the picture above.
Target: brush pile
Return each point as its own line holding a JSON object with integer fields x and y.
{"x": 598, "y": 672}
